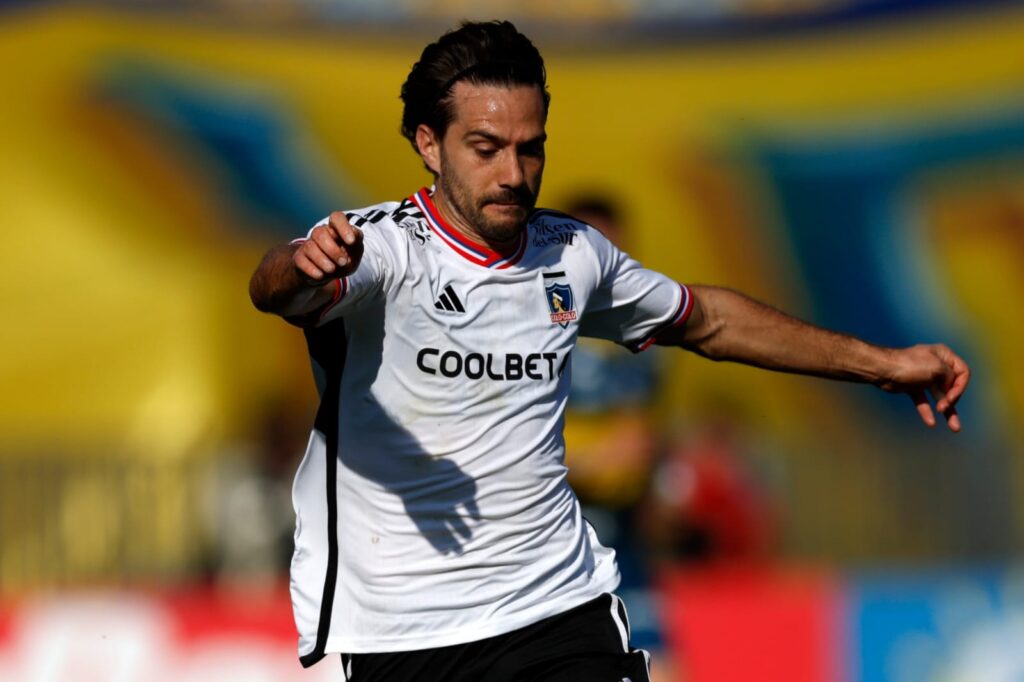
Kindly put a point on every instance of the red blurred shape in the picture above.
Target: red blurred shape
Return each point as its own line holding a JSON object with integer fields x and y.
{"x": 203, "y": 613}
{"x": 738, "y": 625}
{"x": 7, "y": 613}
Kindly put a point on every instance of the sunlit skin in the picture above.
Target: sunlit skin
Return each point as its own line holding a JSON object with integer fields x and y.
{"x": 489, "y": 162}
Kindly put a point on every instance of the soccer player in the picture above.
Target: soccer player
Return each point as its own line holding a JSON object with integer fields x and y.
{"x": 436, "y": 536}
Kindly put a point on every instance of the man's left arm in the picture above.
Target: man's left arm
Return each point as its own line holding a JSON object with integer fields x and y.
{"x": 726, "y": 325}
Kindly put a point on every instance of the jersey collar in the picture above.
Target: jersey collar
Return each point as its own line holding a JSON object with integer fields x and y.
{"x": 470, "y": 250}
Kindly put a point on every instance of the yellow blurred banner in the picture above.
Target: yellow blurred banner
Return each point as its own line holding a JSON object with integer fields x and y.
{"x": 127, "y": 242}
{"x": 868, "y": 177}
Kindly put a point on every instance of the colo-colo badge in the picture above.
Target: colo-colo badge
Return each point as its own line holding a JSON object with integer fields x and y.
{"x": 561, "y": 303}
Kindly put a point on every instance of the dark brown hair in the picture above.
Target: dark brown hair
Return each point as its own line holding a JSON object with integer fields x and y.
{"x": 487, "y": 53}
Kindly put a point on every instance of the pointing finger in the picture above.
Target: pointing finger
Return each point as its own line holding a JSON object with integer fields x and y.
{"x": 348, "y": 233}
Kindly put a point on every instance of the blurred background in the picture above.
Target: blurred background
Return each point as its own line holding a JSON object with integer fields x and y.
{"x": 859, "y": 163}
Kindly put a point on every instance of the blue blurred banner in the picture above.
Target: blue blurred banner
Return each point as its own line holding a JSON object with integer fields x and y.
{"x": 946, "y": 625}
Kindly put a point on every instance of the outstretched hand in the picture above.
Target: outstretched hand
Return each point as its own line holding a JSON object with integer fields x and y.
{"x": 930, "y": 369}
{"x": 332, "y": 250}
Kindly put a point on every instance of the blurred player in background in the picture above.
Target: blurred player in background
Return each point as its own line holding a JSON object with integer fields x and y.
{"x": 705, "y": 505}
{"x": 437, "y": 537}
{"x": 612, "y": 439}
{"x": 611, "y": 434}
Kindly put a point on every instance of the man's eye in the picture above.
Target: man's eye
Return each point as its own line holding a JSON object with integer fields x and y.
{"x": 486, "y": 152}
{"x": 534, "y": 150}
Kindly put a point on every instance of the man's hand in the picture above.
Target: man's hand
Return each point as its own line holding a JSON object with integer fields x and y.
{"x": 332, "y": 251}
{"x": 931, "y": 368}
{"x": 292, "y": 279}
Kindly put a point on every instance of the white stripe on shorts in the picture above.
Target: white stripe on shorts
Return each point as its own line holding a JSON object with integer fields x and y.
{"x": 622, "y": 626}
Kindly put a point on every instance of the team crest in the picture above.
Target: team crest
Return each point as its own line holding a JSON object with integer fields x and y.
{"x": 561, "y": 303}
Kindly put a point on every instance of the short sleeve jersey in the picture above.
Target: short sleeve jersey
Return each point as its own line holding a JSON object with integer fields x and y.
{"x": 432, "y": 504}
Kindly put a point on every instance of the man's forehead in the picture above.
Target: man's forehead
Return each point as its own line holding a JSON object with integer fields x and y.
{"x": 475, "y": 103}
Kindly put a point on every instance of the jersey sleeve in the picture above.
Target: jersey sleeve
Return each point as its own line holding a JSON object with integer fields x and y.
{"x": 364, "y": 284}
{"x": 632, "y": 305}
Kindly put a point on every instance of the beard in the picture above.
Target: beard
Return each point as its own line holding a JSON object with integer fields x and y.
{"x": 501, "y": 225}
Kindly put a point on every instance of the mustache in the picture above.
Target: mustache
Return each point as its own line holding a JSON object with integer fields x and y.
{"x": 519, "y": 195}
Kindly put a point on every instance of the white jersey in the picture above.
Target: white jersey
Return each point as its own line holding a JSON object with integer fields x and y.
{"x": 432, "y": 504}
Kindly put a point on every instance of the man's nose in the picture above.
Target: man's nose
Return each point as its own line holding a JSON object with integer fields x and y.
{"x": 511, "y": 170}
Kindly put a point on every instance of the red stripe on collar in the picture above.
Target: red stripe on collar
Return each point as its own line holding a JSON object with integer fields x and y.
{"x": 469, "y": 249}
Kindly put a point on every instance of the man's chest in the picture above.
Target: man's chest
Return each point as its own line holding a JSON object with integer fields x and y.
{"x": 449, "y": 324}
{"x": 535, "y": 308}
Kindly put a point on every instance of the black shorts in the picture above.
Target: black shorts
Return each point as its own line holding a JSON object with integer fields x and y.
{"x": 589, "y": 643}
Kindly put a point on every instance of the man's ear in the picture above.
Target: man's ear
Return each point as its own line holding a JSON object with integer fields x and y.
{"x": 429, "y": 146}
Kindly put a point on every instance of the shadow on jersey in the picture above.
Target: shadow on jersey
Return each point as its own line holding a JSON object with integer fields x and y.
{"x": 438, "y": 497}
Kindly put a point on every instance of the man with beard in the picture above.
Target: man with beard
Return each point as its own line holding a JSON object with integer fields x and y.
{"x": 436, "y": 536}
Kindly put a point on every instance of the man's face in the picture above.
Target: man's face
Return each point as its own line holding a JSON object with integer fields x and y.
{"x": 491, "y": 159}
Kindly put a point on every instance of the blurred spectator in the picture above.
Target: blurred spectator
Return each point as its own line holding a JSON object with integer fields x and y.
{"x": 611, "y": 441}
{"x": 610, "y": 433}
{"x": 248, "y": 504}
{"x": 704, "y": 506}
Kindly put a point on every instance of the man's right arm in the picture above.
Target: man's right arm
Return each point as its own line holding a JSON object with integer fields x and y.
{"x": 726, "y": 325}
{"x": 298, "y": 278}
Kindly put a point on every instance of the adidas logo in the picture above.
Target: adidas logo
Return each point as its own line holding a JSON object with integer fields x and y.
{"x": 449, "y": 301}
